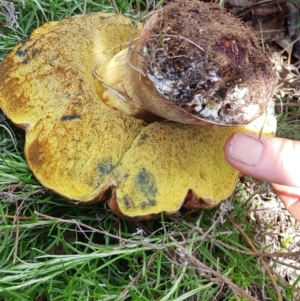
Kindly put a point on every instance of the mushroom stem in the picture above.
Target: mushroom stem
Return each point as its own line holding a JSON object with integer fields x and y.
{"x": 201, "y": 72}
{"x": 132, "y": 93}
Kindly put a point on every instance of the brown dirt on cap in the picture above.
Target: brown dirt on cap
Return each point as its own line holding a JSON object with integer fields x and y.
{"x": 193, "y": 43}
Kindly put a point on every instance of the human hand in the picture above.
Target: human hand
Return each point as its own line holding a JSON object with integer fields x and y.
{"x": 271, "y": 159}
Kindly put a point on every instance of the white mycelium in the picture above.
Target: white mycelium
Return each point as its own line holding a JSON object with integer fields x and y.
{"x": 169, "y": 85}
{"x": 205, "y": 97}
{"x": 162, "y": 85}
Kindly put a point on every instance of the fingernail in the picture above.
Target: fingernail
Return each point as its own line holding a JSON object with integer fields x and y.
{"x": 245, "y": 149}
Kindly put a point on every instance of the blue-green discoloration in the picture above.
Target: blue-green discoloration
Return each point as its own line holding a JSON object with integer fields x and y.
{"x": 21, "y": 53}
{"x": 26, "y": 53}
{"x": 146, "y": 184}
{"x": 105, "y": 167}
{"x": 150, "y": 203}
{"x": 69, "y": 117}
{"x": 126, "y": 201}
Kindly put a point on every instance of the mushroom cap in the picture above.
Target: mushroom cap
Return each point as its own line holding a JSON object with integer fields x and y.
{"x": 86, "y": 151}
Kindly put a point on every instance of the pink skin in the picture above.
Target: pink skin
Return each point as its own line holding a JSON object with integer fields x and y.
{"x": 274, "y": 160}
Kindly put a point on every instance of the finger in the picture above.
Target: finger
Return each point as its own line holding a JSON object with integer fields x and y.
{"x": 271, "y": 159}
{"x": 290, "y": 196}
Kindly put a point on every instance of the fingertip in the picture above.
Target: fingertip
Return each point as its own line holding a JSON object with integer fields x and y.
{"x": 243, "y": 148}
{"x": 272, "y": 159}
{"x": 290, "y": 196}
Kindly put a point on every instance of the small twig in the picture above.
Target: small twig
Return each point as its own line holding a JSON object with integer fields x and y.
{"x": 253, "y": 248}
{"x": 286, "y": 264}
{"x": 180, "y": 37}
{"x": 24, "y": 218}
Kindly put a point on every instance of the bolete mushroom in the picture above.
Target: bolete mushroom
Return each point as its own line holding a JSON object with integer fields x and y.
{"x": 113, "y": 111}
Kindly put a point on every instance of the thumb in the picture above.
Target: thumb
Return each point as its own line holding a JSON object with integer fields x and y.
{"x": 271, "y": 159}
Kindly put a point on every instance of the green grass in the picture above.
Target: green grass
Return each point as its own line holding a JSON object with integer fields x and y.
{"x": 54, "y": 250}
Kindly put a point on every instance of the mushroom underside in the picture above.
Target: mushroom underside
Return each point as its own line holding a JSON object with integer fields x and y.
{"x": 84, "y": 150}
